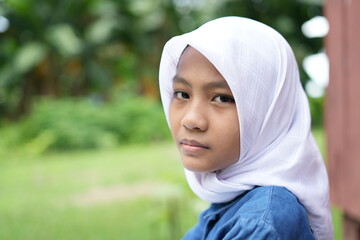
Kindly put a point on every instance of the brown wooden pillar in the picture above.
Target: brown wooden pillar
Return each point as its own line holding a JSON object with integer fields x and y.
{"x": 351, "y": 228}
{"x": 342, "y": 110}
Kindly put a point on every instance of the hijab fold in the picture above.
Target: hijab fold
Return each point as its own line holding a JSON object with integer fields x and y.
{"x": 277, "y": 147}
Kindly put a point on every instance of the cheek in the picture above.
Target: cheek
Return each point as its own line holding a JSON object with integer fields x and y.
{"x": 228, "y": 151}
{"x": 231, "y": 144}
{"x": 173, "y": 119}
{"x": 232, "y": 139}
{"x": 236, "y": 148}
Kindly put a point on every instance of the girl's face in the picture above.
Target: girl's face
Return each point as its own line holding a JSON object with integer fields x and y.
{"x": 203, "y": 117}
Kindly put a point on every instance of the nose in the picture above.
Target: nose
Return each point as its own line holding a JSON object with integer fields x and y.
{"x": 195, "y": 118}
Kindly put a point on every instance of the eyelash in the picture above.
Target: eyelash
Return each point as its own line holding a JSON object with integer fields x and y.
{"x": 229, "y": 99}
{"x": 180, "y": 95}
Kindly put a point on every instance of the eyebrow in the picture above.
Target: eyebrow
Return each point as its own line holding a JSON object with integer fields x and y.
{"x": 209, "y": 85}
{"x": 178, "y": 79}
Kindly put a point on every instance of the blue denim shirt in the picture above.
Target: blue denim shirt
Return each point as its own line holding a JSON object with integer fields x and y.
{"x": 262, "y": 213}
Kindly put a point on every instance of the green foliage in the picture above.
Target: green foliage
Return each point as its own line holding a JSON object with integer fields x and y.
{"x": 337, "y": 221}
{"x": 316, "y": 108}
{"x": 75, "y": 48}
{"x": 83, "y": 124}
{"x": 78, "y": 48}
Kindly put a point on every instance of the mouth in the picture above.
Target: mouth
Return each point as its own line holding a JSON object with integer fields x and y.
{"x": 192, "y": 147}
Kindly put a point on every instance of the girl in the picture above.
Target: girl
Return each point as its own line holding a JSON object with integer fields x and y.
{"x": 240, "y": 119}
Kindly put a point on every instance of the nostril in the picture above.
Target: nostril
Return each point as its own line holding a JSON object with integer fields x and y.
{"x": 191, "y": 127}
{"x": 195, "y": 126}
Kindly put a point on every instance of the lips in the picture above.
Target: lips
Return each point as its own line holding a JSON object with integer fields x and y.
{"x": 192, "y": 147}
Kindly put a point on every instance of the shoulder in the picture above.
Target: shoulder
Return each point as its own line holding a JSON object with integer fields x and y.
{"x": 277, "y": 205}
{"x": 269, "y": 212}
{"x": 272, "y": 203}
{"x": 271, "y": 209}
{"x": 263, "y": 202}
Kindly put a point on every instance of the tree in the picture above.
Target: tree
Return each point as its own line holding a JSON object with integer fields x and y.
{"x": 89, "y": 47}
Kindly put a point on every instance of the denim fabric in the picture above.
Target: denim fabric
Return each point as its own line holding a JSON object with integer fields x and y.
{"x": 263, "y": 213}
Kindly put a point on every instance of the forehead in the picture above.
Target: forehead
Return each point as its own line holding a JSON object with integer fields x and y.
{"x": 193, "y": 65}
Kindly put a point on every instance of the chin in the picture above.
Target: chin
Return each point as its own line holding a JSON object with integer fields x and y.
{"x": 198, "y": 169}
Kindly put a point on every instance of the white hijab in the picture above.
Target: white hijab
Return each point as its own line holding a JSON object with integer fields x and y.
{"x": 277, "y": 147}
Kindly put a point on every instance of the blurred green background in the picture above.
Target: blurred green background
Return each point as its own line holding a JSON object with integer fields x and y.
{"x": 85, "y": 152}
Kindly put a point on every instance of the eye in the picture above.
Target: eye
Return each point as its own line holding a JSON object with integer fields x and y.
{"x": 224, "y": 99}
{"x": 181, "y": 95}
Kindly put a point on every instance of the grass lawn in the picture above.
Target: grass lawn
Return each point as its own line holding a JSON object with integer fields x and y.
{"x": 135, "y": 192}
{"x": 132, "y": 192}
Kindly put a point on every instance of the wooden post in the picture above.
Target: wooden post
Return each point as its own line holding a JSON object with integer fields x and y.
{"x": 351, "y": 229}
{"x": 342, "y": 110}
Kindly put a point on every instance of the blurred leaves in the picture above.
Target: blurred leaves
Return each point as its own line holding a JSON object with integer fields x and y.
{"x": 100, "y": 31}
{"x": 28, "y": 56}
{"x": 85, "y": 47}
{"x": 64, "y": 39}
{"x": 70, "y": 124}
